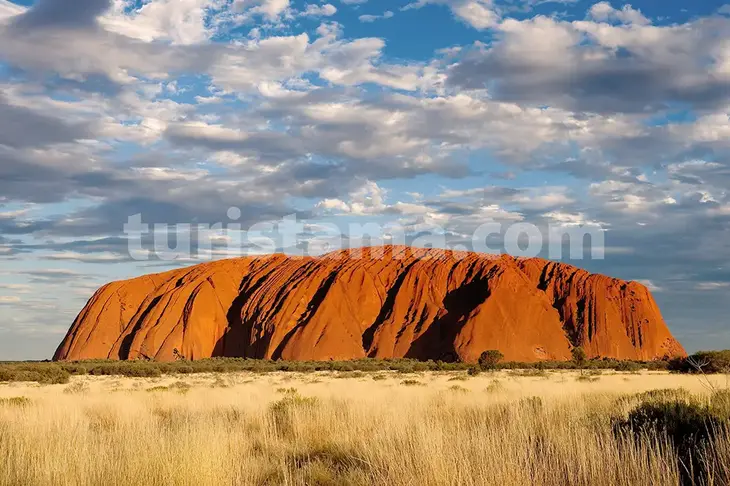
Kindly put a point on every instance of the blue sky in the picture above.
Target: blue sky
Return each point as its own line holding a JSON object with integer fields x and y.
{"x": 437, "y": 115}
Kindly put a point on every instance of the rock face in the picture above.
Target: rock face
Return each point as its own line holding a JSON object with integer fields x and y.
{"x": 376, "y": 302}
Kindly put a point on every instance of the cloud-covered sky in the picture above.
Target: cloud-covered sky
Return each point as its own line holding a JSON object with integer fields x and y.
{"x": 428, "y": 113}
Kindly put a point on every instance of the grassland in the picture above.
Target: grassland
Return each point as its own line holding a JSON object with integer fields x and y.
{"x": 511, "y": 427}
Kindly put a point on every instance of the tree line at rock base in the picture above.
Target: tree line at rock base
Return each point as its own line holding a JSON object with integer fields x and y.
{"x": 59, "y": 372}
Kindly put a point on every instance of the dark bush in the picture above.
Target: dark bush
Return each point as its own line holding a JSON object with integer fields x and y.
{"x": 712, "y": 361}
{"x": 690, "y": 427}
{"x": 127, "y": 368}
{"x": 74, "y": 368}
{"x": 184, "y": 370}
{"x": 489, "y": 359}
{"x": 579, "y": 355}
{"x": 702, "y": 362}
{"x": 627, "y": 366}
{"x": 44, "y": 373}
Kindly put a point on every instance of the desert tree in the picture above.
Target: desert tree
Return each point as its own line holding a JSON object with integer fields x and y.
{"x": 489, "y": 359}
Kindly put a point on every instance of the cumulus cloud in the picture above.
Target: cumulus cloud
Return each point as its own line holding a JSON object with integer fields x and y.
{"x": 314, "y": 10}
{"x": 72, "y": 42}
{"x": 270, "y": 10}
{"x": 180, "y": 110}
{"x": 604, "y": 12}
{"x": 55, "y": 14}
{"x": 596, "y": 67}
{"x": 177, "y": 21}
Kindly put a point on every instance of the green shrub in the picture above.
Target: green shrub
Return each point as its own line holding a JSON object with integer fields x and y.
{"x": 712, "y": 361}
{"x": 627, "y": 366}
{"x": 126, "y": 368}
{"x": 702, "y": 362}
{"x": 579, "y": 355}
{"x": 183, "y": 369}
{"x": 74, "y": 368}
{"x": 43, "y": 373}
{"x": 489, "y": 359}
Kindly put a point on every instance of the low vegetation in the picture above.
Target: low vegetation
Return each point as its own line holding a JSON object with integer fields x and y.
{"x": 702, "y": 362}
{"x": 688, "y": 426}
{"x": 286, "y": 428}
{"x": 52, "y": 373}
{"x": 491, "y": 360}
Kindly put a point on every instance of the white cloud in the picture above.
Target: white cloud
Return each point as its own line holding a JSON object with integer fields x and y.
{"x": 650, "y": 285}
{"x": 271, "y": 10}
{"x": 570, "y": 219}
{"x": 20, "y": 288}
{"x": 9, "y": 9}
{"x": 169, "y": 174}
{"x": 480, "y": 14}
{"x": 372, "y": 18}
{"x": 179, "y": 21}
{"x": 710, "y": 286}
{"x": 604, "y": 12}
{"x": 98, "y": 257}
{"x": 368, "y": 199}
{"x": 326, "y": 10}
{"x": 258, "y": 63}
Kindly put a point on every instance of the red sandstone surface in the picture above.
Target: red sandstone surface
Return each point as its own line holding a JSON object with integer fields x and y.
{"x": 383, "y": 302}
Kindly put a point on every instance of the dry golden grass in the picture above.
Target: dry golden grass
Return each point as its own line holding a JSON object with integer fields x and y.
{"x": 370, "y": 428}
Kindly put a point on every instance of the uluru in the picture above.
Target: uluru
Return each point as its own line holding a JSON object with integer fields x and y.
{"x": 380, "y": 302}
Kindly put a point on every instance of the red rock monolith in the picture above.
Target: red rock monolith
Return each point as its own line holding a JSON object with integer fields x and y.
{"x": 382, "y": 302}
